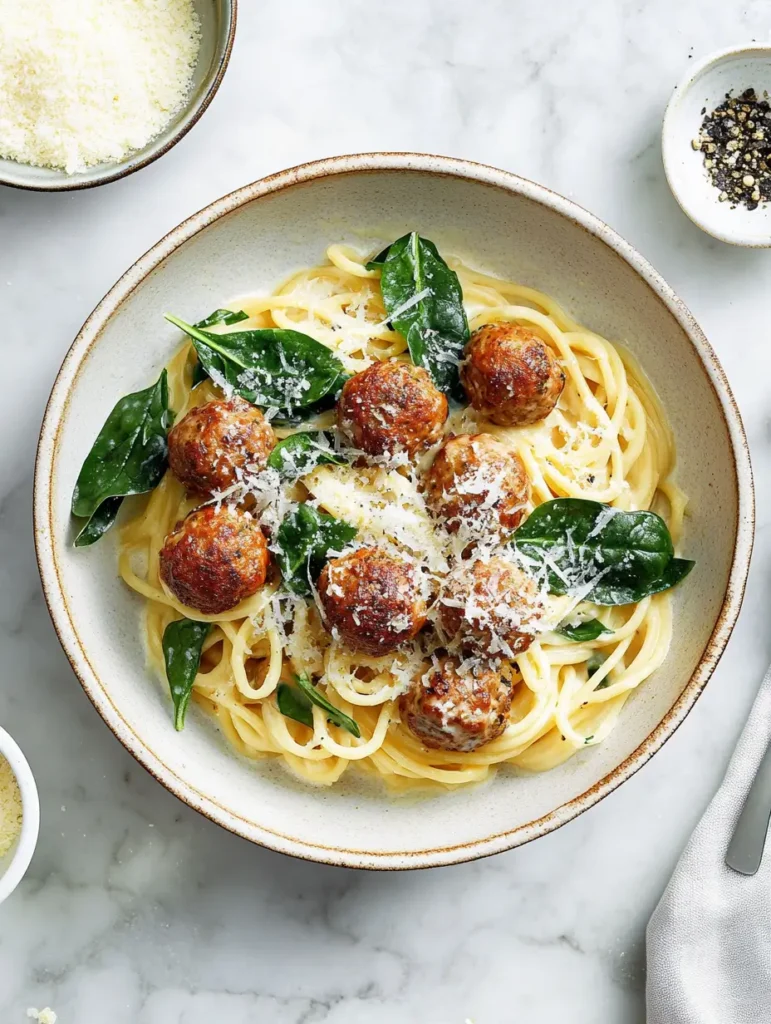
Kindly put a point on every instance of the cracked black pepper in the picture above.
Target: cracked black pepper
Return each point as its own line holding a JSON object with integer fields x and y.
{"x": 735, "y": 140}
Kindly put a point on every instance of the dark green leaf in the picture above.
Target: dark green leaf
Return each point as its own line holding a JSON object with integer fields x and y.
{"x": 219, "y": 316}
{"x": 128, "y": 457}
{"x": 305, "y": 539}
{"x": 609, "y": 556}
{"x": 377, "y": 261}
{"x": 99, "y": 523}
{"x": 183, "y": 642}
{"x": 299, "y": 453}
{"x": 593, "y": 665}
{"x": 333, "y": 713}
{"x": 222, "y": 316}
{"x": 435, "y": 325}
{"x": 582, "y": 632}
{"x": 271, "y": 367}
{"x": 292, "y": 703}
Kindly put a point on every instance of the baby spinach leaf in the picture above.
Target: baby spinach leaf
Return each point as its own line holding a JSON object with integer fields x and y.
{"x": 610, "y": 556}
{"x": 128, "y": 457}
{"x": 292, "y": 703}
{"x": 582, "y": 632}
{"x": 219, "y": 316}
{"x": 424, "y": 301}
{"x": 222, "y": 316}
{"x": 305, "y": 540}
{"x": 593, "y": 665}
{"x": 299, "y": 453}
{"x": 270, "y": 367}
{"x": 183, "y": 642}
{"x": 333, "y": 714}
{"x": 377, "y": 261}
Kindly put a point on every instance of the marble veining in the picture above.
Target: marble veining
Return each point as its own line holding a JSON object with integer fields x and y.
{"x": 137, "y": 910}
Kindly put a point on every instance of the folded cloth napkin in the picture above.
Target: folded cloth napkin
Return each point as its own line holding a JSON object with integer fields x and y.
{"x": 709, "y": 940}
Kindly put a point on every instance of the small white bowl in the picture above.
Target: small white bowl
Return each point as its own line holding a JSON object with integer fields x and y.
{"x": 15, "y": 862}
{"x": 706, "y": 84}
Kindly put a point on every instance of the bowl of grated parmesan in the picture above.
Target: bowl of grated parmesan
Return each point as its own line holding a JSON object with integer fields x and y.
{"x": 92, "y": 92}
{"x": 19, "y": 814}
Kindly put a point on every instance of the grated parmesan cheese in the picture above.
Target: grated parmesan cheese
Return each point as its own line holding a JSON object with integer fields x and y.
{"x": 84, "y": 82}
{"x": 10, "y": 807}
{"x": 46, "y": 1016}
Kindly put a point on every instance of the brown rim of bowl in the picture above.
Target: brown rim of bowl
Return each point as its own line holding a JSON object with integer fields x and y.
{"x": 98, "y": 694}
{"x": 117, "y": 174}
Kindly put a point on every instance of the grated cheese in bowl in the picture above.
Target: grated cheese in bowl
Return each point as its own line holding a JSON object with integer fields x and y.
{"x": 84, "y": 82}
{"x": 10, "y": 807}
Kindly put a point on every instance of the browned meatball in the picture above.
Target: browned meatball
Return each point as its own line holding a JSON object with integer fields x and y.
{"x": 372, "y": 599}
{"x": 214, "y": 558}
{"x": 391, "y": 407}
{"x": 450, "y": 708}
{"x": 491, "y": 606}
{"x": 219, "y": 444}
{"x": 510, "y": 375}
{"x": 477, "y": 484}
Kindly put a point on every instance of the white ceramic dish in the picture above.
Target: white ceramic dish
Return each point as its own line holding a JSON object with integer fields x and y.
{"x": 15, "y": 862}
{"x": 218, "y": 27}
{"x": 252, "y": 240}
{"x": 705, "y": 86}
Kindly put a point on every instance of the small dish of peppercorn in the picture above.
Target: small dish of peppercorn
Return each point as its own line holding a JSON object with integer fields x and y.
{"x": 716, "y": 145}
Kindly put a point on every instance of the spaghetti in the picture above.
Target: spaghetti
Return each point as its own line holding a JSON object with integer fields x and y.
{"x": 607, "y": 440}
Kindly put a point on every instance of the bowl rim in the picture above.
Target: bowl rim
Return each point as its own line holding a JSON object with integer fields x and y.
{"x": 120, "y": 170}
{"x": 668, "y": 136}
{"x": 55, "y": 594}
{"x": 30, "y": 809}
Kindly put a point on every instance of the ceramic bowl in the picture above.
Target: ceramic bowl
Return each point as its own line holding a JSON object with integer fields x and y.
{"x": 253, "y": 239}
{"x": 15, "y": 862}
{"x": 705, "y": 86}
{"x": 218, "y": 27}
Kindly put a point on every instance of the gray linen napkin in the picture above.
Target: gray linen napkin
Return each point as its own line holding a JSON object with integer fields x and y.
{"x": 709, "y": 940}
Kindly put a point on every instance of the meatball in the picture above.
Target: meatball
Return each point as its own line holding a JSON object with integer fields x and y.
{"x": 491, "y": 606}
{"x": 477, "y": 484}
{"x": 217, "y": 444}
{"x": 510, "y": 375}
{"x": 372, "y": 599}
{"x": 391, "y": 407}
{"x": 214, "y": 558}
{"x": 454, "y": 708}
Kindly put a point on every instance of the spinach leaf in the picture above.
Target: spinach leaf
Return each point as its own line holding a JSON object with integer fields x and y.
{"x": 333, "y": 714}
{"x": 593, "y": 665}
{"x": 292, "y": 703}
{"x": 584, "y": 631}
{"x": 128, "y": 457}
{"x": 270, "y": 367}
{"x": 424, "y": 301}
{"x": 377, "y": 261}
{"x": 222, "y": 316}
{"x": 610, "y": 556}
{"x": 183, "y": 642}
{"x": 305, "y": 539}
{"x": 299, "y": 453}
{"x": 219, "y": 316}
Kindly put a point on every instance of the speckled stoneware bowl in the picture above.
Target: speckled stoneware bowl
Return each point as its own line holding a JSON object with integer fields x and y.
{"x": 250, "y": 241}
{"x": 218, "y": 28}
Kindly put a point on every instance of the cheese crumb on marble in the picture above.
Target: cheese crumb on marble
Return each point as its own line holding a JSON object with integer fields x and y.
{"x": 46, "y": 1016}
{"x": 10, "y": 807}
{"x": 84, "y": 82}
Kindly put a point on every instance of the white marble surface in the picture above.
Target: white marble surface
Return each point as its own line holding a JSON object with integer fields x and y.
{"x": 138, "y": 911}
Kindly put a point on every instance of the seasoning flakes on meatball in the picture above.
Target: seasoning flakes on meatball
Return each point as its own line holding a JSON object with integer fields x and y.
{"x": 391, "y": 407}
{"x": 219, "y": 444}
{"x": 373, "y": 600}
{"x": 214, "y": 558}
{"x": 458, "y": 705}
{"x": 510, "y": 375}
{"x": 478, "y": 486}
{"x": 490, "y": 605}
